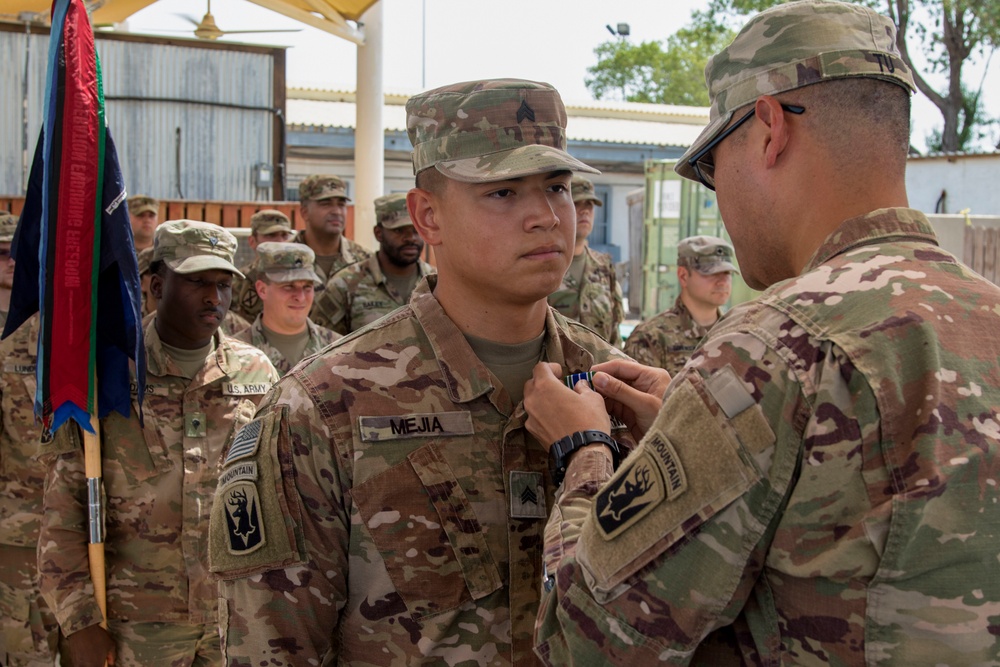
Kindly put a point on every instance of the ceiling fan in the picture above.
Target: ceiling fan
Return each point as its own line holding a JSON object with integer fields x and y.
{"x": 208, "y": 29}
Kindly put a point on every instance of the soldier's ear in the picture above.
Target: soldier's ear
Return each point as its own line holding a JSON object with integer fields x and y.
{"x": 156, "y": 285}
{"x": 423, "y": 206}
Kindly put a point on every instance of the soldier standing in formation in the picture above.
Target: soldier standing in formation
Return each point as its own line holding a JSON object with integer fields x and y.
{"x": 402, "y": 499}
{"x": 160, "y": 478}
{"x": 285, "y": 282}
{"x": 705, "y": 273}
{"x": 143, "y": 213}
{"x": 323, "y": 205}
{"x": 29, "y": 631}
{"x": 818, "y": 485}
{"x": 590, "y": 293}
{"x": 266, "y": 226}
{"x": 363, "y": 292}
{"x": 8, "y": 224}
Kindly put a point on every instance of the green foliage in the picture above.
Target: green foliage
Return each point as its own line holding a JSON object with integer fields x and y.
{"x": 648, "y": 72}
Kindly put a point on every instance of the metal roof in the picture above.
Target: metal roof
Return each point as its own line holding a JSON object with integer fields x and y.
{"x": 599, "y": 122}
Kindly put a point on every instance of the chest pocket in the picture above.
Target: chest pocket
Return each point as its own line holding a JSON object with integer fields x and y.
{"x": 429, "y": 537}
{"x": 140, "y": 457}
{"x": 18, "y": 405}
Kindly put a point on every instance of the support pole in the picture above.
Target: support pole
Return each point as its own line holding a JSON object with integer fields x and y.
{"x": 95, "y": 514}
{"x": 369, "y": 137}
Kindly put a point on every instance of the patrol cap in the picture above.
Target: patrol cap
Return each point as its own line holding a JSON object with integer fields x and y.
{"x": 795, "y": 45}
{"x": 705, "y": 254}
{"x": 8, "y": 223}
{"x": 322, "y": 186}
{"x": 269, "y": 221}
{"x": 483, "y": 131}
{"x": 285, "y": 262}
{"x": 142, "y": 203}
{"x": 189, "y": 246}
{"x": 391, "y": 211}
{"x": 145, "y": 257}
{"x": 583, "y": 190}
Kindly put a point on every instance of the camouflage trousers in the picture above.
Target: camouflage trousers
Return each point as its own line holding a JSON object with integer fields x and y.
{"x": 166, "y": 644}
{"x": 29, "y": 632}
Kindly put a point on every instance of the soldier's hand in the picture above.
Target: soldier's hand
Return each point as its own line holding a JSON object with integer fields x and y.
{"x": 555, "y": 410}
{"x": 91, "y": 647}
{"x": 633, "y": 392}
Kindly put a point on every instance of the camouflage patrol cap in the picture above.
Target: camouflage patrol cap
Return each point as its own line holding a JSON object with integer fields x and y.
{"x": 285, "y": 262}
{"x": 269, "y": 221}
{"x": 583, "y": 190}
{"x": 483, "y": 131}
{"x": 189, "y": 246}
{"x": 795, "y": 45}
{"x": 706, "y": 255}
{"x": 8, "y": 223}
{"x": 322, "y": 186}
{"x": 391, "y": 212}
{"x": 145, "y": 257}
{"x": 141, "y": 203}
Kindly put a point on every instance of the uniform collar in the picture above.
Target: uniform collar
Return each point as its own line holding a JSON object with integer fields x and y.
{"x": 878, "y": 226}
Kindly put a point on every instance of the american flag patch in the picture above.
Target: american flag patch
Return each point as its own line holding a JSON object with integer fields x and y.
{"x": 245, "y": 442}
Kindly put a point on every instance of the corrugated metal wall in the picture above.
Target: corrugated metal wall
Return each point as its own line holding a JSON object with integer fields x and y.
{"x": 175, "y": 93}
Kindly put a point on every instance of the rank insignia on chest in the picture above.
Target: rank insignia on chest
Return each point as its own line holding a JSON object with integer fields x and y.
{"x": 243, "y": 518}
{"x": 527, "y": 495}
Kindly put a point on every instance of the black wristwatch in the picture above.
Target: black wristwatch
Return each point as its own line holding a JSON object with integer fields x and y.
{"x": 561, "y": 450}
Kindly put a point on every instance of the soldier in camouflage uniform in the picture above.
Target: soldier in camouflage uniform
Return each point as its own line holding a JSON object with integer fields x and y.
{"x": 323, "y": 205}
{"x": 386, "y": 505}
{"x": 8, "y": 224}
{"x": 363, "y": 292}
{"x": 820, "y": 485}
{"x": 705, "y": 273}
{"x": 159, "y": 479}
{"x": 143, "y": 214}
{"x": 266, "y": 226}
{"x": 590, "y": 293}
{"x": 29, "y": 632}
{"x": 283, "y": 330}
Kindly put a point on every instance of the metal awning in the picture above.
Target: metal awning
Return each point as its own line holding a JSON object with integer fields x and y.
{"x": 331, "y": 16}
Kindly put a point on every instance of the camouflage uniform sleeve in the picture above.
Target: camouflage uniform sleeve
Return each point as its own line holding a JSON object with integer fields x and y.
{"x": 617, "y": 309}
{"x": 649, "y": 564}
{"x": 641, "y": 347}
{"x": 330, "y": 310}
{"x": 281, "y": 593}
{"x": 63, "y": 563}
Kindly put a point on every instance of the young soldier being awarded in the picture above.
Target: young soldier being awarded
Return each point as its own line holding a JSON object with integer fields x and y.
{"x": 386, "y": 505}
{"x": 160, "y": 476}
{"x": 590, "y": 293}
{"x": 365, "y": 291}
{"x": 285, "y": 282}
{"x": 705, "y": 273}
{"x": 29, "y": 632}
{"x": 323, "y": 205}
{"x": 266, "y": 226}
{"x": 818, "y": 485}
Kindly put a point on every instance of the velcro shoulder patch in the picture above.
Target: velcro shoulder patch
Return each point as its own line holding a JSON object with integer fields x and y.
{"x": 256, "y": 509}
{"x": 687, "y": 468}
{"x": 422, "y": 425}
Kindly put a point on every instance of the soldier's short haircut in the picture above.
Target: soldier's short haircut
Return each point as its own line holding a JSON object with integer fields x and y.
{"x": 158, "y": 268}
{"x": 431, "y": 180}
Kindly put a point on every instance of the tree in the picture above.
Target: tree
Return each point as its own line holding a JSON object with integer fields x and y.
{"x": 947, "y": 32}
{"x": 649, "y": 73}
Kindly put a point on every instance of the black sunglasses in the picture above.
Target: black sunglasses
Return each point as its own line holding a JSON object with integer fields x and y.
{"x": 702, "y": 162}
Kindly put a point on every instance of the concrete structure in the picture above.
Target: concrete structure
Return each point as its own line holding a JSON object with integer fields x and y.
{"x": 953, "y": 182}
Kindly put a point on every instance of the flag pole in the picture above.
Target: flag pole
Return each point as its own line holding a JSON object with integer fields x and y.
{"x": 95, "y": 515}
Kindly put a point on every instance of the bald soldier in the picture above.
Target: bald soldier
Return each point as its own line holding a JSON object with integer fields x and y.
{"x": 144, "y": 215}
{"x": 266, "y": 226}
{"x": 367, "y": 290}
{"x": 285, "y": 282}
{"x": 818, "y": 485}
{"x": 590, "y": 292}
{"x": 397, "y": 496}
{"x": 705, "y": 275}
{"x": 323, "y": 205}
{"x": 160, "y": 477}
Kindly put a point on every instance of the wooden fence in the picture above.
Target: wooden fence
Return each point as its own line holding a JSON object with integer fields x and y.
{"x": 982, "y": 252}
{"x": 226, "y": 214}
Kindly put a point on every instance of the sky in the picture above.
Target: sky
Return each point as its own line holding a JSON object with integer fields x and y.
{"x": 430, "y": 43}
